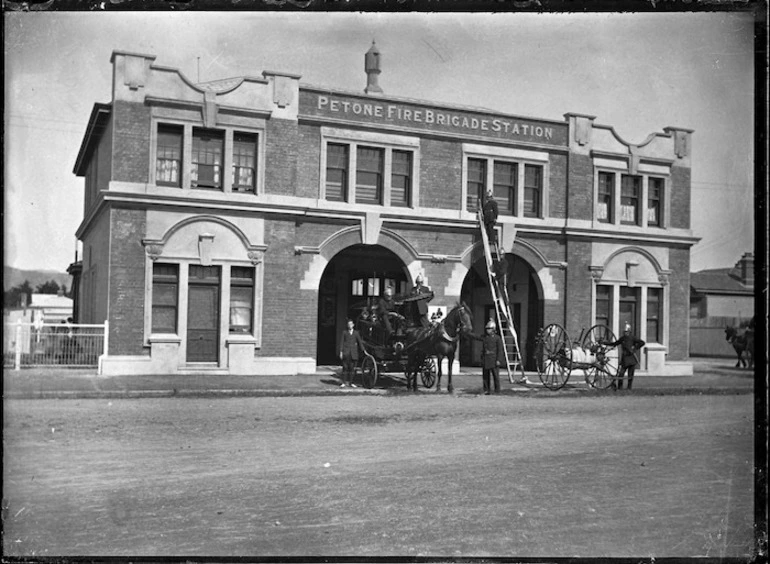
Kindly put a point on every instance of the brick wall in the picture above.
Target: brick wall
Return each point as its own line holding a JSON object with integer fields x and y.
{"x": 440, "y": 174}
{"x": 126, "y": 283}
{"x": 680, "y": 197}
{"x": 581, "y": 181}
{"x": 131, "y": 151}
{"x": 309, "y": 163}
{"x": 679, "y": 304}
{"x": 578, "y": 287}
{"x": 281, "y": 155}
{"x": 289, "y": 315}
{"x": 557, "y": 186}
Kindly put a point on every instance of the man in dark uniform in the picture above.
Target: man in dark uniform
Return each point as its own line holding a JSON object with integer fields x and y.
{"x": 629, "y": 344}
{"x": 385, "y": 308}
{"x": 350, "y": 344}
{"x": 492, "y": 356}
{"x": 490, "y": 212}
{"x": 421, "y": 306}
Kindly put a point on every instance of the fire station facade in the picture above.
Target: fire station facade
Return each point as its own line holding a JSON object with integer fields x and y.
{"x": 230, "y": 226}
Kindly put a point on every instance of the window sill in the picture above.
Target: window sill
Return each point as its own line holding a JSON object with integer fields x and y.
{"x": 164, "y": 338}
{"x": 241, "y": 339}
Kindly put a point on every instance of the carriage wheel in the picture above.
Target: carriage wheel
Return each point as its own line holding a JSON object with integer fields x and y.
{"x": 553, "y": 357}
{"x": 428, "y": 372}
{"x": 368, "y": 371}
{"x": 605, "y": 369}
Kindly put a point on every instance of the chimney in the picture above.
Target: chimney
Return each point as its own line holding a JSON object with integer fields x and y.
{"x": 372, "y": 68}
{"x": 745, "y": 268}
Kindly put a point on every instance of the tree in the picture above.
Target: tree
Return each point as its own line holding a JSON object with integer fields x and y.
{"x": 50, "y": 287}
{"x": 12, "y": 298}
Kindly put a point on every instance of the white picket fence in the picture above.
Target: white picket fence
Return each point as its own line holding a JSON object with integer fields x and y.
{"x": 49, "y": 344}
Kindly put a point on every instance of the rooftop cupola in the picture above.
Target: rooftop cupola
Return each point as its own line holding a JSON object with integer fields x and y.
{"x": 372, "y": 68}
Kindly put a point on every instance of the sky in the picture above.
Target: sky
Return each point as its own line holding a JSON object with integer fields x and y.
{"x": 638, "y": 72}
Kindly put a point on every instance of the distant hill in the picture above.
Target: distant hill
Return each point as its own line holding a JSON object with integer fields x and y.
{"x": 15, "y": 276}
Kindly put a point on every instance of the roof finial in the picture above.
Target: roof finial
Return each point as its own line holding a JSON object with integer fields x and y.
{"x": 372, "y": 68}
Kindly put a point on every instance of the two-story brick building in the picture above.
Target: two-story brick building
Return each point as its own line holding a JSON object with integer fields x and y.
{"x": 229, "y": 226}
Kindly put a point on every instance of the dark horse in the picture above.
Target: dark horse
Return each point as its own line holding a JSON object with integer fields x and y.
{"x": 742, "y": 341}
{"x": 439, "y": 341}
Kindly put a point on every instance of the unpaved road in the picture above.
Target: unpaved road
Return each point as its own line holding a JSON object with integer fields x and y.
{"x": 435, "y": 475}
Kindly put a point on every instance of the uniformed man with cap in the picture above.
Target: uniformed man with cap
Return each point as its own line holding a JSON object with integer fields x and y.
{"x": 420, "y": 306}
{"x": 629, "y": 345}
{"x": 492, "y": 356}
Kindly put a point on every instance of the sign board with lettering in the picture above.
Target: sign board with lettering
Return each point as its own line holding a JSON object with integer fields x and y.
{"x": 435, "y": 119}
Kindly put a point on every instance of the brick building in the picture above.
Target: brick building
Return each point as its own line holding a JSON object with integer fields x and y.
{"x": 228, "y": 226}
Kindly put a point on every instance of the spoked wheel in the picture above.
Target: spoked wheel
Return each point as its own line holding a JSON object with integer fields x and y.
{"x": 604, "y": 367}
{"x": 368, "y": 371}
{"x": 428, "y": 371}
{"x": 553, "y": 357}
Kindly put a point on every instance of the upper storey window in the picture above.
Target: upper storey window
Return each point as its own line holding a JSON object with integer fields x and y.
{"x": 207, "y": 149}
{"x": 477, "y": 183}
{"x": 533, "y": 189}
{"x": 517, "y": 183}
{"x": 244, "y": 162}
{"x": 655, "y": 201}
{"x": 628, "y": 199}
{"x": 369, "y": 175}
{"x": 168, "y": 170}
{"x": 369, "y": 168}
{"x": 630, "y": 191}
{"x": 401, "y": 179}
{"x": 224, "y": 160}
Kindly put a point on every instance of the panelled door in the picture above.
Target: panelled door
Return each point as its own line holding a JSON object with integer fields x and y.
{"x": 203, "y": 314}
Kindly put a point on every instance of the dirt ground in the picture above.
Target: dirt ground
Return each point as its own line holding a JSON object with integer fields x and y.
{"x": 399, "y": 475}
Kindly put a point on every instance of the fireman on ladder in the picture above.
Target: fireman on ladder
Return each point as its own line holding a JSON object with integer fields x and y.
{"x": 490, "y": 211}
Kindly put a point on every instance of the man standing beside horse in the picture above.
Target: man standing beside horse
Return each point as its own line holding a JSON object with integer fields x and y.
{"x": 420, "y": 307}
{"x": 492, "y": 357}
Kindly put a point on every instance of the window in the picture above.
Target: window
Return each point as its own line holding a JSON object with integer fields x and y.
{"x": 604, "y": 305}
{"x": 401, "y": 179}
{"x": 336, "y": 172}
{"x": 244, "y": 162}
{"x": 515, "y": 177}
{"x": 629, "y": 307}
{"x": 655, "y": 201}
{"x": 606, "y": 191}
{"x": 207, "y": 151}
{"x": 364, "y": 167}
{"x": 165, "y": 292}
{"x": 504, "y": 186}
{"x": 533, "y": 187}
{"x": 241, "y": 299}
{"x": 630, "y": 191}
{"x": 168, "y": 156}
{"x": 653, "y": 314}
{"x": 369, "y": 168}
{"x": 477, "y": 183}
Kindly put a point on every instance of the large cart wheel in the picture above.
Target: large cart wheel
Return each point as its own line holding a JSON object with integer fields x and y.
{"x": 553, "y": 357}
{"x": 604, "y": 368}
{"x": 428, "y": 371}
{"x": 368, "y": 371}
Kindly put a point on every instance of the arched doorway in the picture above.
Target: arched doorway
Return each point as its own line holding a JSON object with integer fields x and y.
{"x": 526, "y": 298}
{"x": 356, "y": 274}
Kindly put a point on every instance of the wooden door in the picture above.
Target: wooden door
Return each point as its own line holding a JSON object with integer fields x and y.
{"x": 203, "y": 315}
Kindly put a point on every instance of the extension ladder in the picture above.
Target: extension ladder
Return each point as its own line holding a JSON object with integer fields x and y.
{"x": 514, "y": 362}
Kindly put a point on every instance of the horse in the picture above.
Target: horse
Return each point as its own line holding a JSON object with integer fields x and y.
{"x": 741, "y": 342}
{"x": 440, "y": 341}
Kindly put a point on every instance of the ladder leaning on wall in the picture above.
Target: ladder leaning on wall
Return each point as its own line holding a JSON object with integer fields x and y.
{"x": 514, "y": 362}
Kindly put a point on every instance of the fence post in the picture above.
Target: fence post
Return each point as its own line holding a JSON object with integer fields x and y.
{"x": 17, "y": 352}
{"x": 106, "y": 342}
